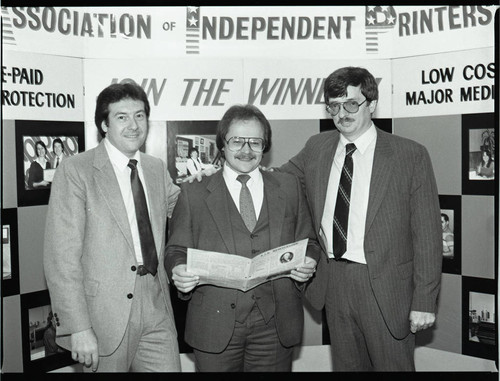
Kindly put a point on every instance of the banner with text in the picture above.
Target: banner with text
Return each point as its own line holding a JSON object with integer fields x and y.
{"x": 181, "y": 89}
{"x": 445, "y": 84}
{"x": 248, "y": 31}
{"x": 42, "y": 87}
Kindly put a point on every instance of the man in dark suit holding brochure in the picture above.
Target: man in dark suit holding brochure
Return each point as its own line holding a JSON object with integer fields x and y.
{"x": 241, "y": 210}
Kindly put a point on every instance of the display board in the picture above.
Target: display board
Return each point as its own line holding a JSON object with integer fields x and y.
{"x": 435, "y": 67}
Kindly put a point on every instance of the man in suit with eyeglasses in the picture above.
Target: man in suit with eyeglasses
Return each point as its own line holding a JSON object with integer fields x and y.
{"x": 241, "y": 210}
{"x": 375, "y": 208}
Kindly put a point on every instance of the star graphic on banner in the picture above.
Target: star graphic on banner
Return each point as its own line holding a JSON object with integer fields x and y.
{"x": 192, "y": 21}
{"x": 192, "y": 9}
{"x": 391, "y": 19}
{"x": 371, "y": 8}
{"x": 370, "y": 20}
{"x": 384, "y": 8}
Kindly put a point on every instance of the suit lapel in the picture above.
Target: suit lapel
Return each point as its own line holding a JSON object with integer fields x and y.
{"x": 381, "y": 174}
{"x": 276, "y": 204}
{"x": 325, "y": 162}
{"x": 105, "y": 180}
{"x": 218, "y": 204}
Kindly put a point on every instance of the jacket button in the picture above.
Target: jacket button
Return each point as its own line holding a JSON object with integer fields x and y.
{"x": 58, "y": 324}
{"x": 133, "y": 268}
{"x": 55, "y": 315}
{"x": 130, "y": 296}
{"x": 254, "y": 251}
{"x": 253, "y": 235}
{"x": 233, "y": 306}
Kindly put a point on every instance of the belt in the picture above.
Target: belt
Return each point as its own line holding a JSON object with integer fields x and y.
{"x": 141, "y": 270}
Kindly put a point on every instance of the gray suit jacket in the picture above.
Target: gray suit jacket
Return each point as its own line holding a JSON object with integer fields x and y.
{"x": 201, "y": 220}
{"x": 402, "y": 233}
{"x": 88, "y": 249}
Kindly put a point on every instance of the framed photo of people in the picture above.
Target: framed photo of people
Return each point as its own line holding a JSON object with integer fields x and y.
{"x": 479, "y": 323}
{"x": 38, "y": 325}
{"x": 451, "y": 225}
{"x": 10, "y": 253}
{"x": 478, "y": 154}
{"x": 191, "y": 147}
{"x": 41, "y": 146}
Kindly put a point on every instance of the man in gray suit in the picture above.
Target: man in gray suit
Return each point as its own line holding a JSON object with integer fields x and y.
{"x": 104, "y": 238}
{"x": 380, "y": 273}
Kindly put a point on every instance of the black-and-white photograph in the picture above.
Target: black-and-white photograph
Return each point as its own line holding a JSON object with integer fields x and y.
{"x": 451, "y": 223}
{"x": 478, "y": 154}
{"x": 42, "y": 333}
{"x": 43, "y": 154}
{"x": 41, "y": 147}
{"x": 6, "y": 253}
{"x": 10, "y": 253}
{"x": 133, "y": 136}
{"x": 39, "y": 323}
{"x": 479, "y": 317}
{"x": 192, "y": 148}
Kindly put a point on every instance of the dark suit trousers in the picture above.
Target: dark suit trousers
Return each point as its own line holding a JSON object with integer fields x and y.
{"x": 360, "y": 339}
{"x": 254, "y": 347}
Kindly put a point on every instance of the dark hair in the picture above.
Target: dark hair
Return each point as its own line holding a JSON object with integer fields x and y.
{"x": 242, "y": 112}
{"x": 193, "y": 150}
{"x": 445, "y": 216}
{"x": 337, "y": 82}
{"x": 40, "y": 143}
{"x": 57, "y": 140}
{"x": 483, "y": 163}
{"x": 115, "y": 93}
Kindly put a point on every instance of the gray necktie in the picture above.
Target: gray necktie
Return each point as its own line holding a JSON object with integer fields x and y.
{"x": 247, "y": 209}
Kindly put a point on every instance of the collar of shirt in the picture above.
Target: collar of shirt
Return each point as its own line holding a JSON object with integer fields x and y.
{"x": 362, "y": 142}
{"x": 255, "y": 184}
{"x": 230, "y": 176}
{"x": 117, "y": 158}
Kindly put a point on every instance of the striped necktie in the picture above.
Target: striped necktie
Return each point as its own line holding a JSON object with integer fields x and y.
{"x": 341, "y": 214}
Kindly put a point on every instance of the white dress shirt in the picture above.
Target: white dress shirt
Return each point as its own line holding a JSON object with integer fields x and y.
{"x": 360, "y": 191}
{"x": 122, "y": 172}
{"x": 255, "y": 184}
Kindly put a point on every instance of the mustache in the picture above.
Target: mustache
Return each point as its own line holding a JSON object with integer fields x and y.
{"x": 347, "y": 119}
{"x": 246, "y": 156}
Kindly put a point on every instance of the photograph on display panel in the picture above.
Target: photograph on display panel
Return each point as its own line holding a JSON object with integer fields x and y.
{"x": 478, "y": 154}
{"x": 38, "y": 324}
{"x": 479, "y": 331}
{"x": 451, "y": 223}
{"x": 191, "y": 148}
{"x": 10, "y": 253}
{"x": 41, "y": 146}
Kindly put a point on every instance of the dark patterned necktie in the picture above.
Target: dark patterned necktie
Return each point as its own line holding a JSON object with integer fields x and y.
{"x": 57, "y": 162}
{"x": 341, "y": 215}
{"x": 148, "y": 249}
{"x": 247, "y": 209}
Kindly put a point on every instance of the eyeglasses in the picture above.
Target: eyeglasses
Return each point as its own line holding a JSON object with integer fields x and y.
{"x": 236, "y": 143}
{"x": 350, "y": 106}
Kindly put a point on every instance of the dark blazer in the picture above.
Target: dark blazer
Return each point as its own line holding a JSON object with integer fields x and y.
{"x": 89, "y": 257}
{"x": 402, "y": 233}
{"x": 201, "y": 220}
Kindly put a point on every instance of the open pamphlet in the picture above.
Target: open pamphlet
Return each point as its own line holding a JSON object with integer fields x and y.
{"x": 235, "y": 271}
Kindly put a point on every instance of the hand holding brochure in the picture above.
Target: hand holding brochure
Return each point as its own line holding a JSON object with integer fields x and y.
{"x": 235, "y": 271}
